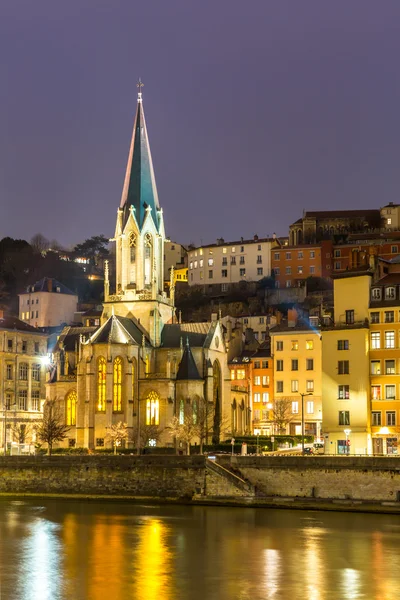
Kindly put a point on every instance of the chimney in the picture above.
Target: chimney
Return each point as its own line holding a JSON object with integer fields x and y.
{"x": 49, "y": 285}
{"x": 292, "y": 317}
{"x": 214, "y": 317}
{"x": 255, "y": 237}
{"x": 274, "y": 236}
{"x": 249, "y": 336}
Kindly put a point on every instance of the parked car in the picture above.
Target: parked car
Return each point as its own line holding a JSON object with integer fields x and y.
{"x": 308, "y": 450}
{"x": 319, "y": 448}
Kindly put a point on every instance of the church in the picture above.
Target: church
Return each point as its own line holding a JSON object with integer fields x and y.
{"x": 141, "y": 366}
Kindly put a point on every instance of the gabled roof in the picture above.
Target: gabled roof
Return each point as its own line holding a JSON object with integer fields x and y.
{"x": 120, "y": 330}
{"x": 18, "y": 325}
{"x": 48, "y": 284}
{"x": 187, "y": 370}
{"x": 70, "y": 336}
{"x": 196, "y": 333}
{"x": 140, "y": 190}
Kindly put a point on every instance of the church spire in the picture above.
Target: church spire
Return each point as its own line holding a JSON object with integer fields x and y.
{"x": 140, "y": 190}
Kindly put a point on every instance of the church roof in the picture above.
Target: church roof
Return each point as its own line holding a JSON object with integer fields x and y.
{"x": 70, "y": 336}
{"x": 140, "y": 189}
{"x": 119, "y": 330}
{"x": 195, "y": 333}
{"x": 187, "y": 370}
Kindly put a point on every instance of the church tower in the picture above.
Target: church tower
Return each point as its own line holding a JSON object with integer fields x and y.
{"x": 139, "y": 238}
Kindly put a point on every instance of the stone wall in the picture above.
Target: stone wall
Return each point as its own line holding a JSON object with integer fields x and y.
{"x": 323, "y": 477}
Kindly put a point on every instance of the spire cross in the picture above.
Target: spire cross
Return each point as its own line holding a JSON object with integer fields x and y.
{"x": 139, "y": 85}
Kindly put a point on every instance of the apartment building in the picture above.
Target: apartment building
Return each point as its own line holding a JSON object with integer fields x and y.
{"x": 225, "y": 263}
{"x": 262, "y": 391}
{"x": 292, "y": 265}
{"x": 259, "y": 324}
{"x": 47, "y": 303}
{"x": 297, "y": 363}
{"x": 175, "y": 255}
{"x": 241, "y": 372}
{"x": 23, "y": 354}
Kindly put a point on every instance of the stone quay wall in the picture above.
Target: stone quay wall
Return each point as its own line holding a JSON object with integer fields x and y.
{"x": 374, "y": 479}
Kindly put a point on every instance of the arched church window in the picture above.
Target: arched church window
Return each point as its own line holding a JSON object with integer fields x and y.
{"x": 148, "y": 258}
{"x": 71, "y": 407}
{"x": 153, "y": 409}
{"x": 101, "y": 384}
{"x": 132, "y": 246}
{"x": 181, "y": 411}
{"x": 217, "y": 402}
{"x": 117, "y": 384}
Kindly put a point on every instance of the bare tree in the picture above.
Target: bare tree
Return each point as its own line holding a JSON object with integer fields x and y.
{"x": 147, "y": 433}
{"x": 20, "y": 432}
{"x": 39, "y": 243}
{"x": 117, "y": 434}
{"x": 51, "y": 429}
{"x": 282, "y": 414}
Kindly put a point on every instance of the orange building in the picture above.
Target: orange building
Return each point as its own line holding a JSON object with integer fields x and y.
{"x": 292, "y": 265}
{"x": 262, "y": 386}
{"x": 241, "y": 374}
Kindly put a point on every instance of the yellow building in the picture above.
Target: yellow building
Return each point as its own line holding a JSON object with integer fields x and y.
{"x": 296, "y": 348}
{"x": 384, "y": 316}
{"x": 345, "y": 367}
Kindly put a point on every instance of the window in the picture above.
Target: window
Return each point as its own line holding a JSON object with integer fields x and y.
{"x": 224, "y": 273}
{"x": 343, "y": 345}
{"x": 265, "y": 380}
{"x": 390, "y": 392}
{"x": 279, "y": 346}
{"x": 276, "y": 256}
{"x": 117, "y": 384}
{"x": 375, "y": 340}
{"x": 344, "y": 417}
{"x": 201, "y": 263}
{"x": 300, "y": 270}
{"x": 295, "y": 385}
{"x": 23, "y": 371}
{"x": 390, "y": 293}
{"x": 338, "y": 265}
{"x": 265, "y": 397}
{"x": 257, "y": 380}
{"x": 9, "y": 344}
{"x": 300, "y": 254}
{"x": 389, "y": 220}
{"x": 288, "y": 283}
{"x": 389, "y": 339}
{"x": 210, "y": 274}
{"x": 279, "y": 387}
{"x": 310, "y": 385}
{"x": 288, "y": 270}
{"x": 259, "y": 259}
{"x": 25, "y": 344}
{"x": 101, "y": 384}
{"x": 295, "y": 345}
{"x": 241, "y": 248}
{"x": 260, "y": 271}
{"x": 312, "y": 270}
{"x": 9, "y": 372}
{"x": 152, "y": 409}
{"x": 240, "y": 374}
{"x": 36, "y": 347}
{"x": 224, "y": 250}
{"x": 242, "y": 260}
{"x": 233, "y": 249}
{"x": 242, "y": 272}
{"x": 310, "y": 407}
{"x": 295, "y": 364}
{"x": 35, "y": 398}
{"x": 99, "y": 442}
{"x": 257, "y": 397}
{"x": 22, "y": 399}
{"x": 394, "y": 249}
{"x": 261, "y": 320}
{"x": 390, "y": 367}
{"x": 349, "y": 317}
{"x": 295, "y": 407}
{"x": 309, "y": 345}
{"x": 224, "y": 261}
{"x": 210, "y": 262}
{"x": 259, "y": 247}
{"x": 224, "y": 287}
{"x": 376, "y": 294}
{"x": 256, "y": 364}
{"x": 279, "y": 365}
{"x": 391, "y": 418}
{"x": 343, "y": 367}
{"x": 337, "y": 254}
{"x": 71, "y": 408}
{"x": 264, "y": 364}
{"x": 344, "y": 392}
{"x": 389, "y": 316}
{"x": 309, "y": 364}
{"x": 277, "y": 271}
{"x": 8, "y": 400}
{"x": 376, "y": 418}
{"x": 233, "y": 260}
{"x": 36, "y": 372}
{"x": 376, "y": 392}
{"x": 375, "y": 367}
{"x": 312, "y": 254}
{"x": 374, "y": 317}
{"x": 288, "y": 255}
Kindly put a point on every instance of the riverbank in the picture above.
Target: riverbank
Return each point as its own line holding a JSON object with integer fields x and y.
{"x": 358, "y": 484}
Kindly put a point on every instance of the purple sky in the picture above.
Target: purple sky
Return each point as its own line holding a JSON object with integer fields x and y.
{"x": 255, "y": 110}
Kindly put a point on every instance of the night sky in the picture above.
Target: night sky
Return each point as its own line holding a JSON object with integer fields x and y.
{"x": 255, "y": 111}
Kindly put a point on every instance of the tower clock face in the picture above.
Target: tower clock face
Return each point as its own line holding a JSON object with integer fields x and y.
{"x": 216, "y": 341}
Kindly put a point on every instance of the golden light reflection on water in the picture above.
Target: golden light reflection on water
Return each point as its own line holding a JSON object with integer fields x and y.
{"x": 153, "y": 560}
{"x": 314, "y": 567}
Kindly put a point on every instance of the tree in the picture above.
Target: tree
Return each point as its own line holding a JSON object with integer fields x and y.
{"x": 92, "y": 247}
{"x": 185, "y": 427}
{"x": 282, "y": 414}
{"x": 147, "y": 433}
{"x": 52, "y": 428}
{"x": 39, "y": 243}
{"x": 20, "y": 432}
{"x": 117, "y": 434}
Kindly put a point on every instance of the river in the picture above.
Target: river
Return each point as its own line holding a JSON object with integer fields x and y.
{"x": 86, "y": 550}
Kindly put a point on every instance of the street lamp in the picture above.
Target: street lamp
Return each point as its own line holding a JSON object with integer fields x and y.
{"x": 302, "y": 419}
{"x": 347, "y": 432}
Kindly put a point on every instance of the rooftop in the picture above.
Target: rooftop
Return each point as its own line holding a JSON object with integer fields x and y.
{"x": 48, "y": 284}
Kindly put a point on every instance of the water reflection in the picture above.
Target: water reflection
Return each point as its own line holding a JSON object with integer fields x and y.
{"x": 85, "y": 551}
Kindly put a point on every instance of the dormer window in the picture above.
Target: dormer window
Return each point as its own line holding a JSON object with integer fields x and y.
{"x": 390, "y": 293}
{"x": 376, "y": 294}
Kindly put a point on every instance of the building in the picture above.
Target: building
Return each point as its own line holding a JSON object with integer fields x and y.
{"x": 218, "y": 266}
{"x": 315, "y": 226}
{"x": 241, "y": 373}
{"x": 262, "y": 390}
{"x": 292, "y": 265}
{"x": 23, "y": 353}
{"x": 390, "y": 216}
{"x": 140, "y": 367}
{"x": 47, "y": 303}
{"x": 258, "y": 324}
{"x": 175, "y": 255}
{"x": 345, "y": 367}
{"x": 297, "y": 356}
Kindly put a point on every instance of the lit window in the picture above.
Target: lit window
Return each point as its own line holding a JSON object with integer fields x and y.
{"x": 257, "y": 380}
{"x": 223, "y": 250}
{"x": 389, "y": 339}
{"x": 117, "y": 385}
{"x": 376, "y": 392}
{"x": 375, "y": 367}
{"x": 71, "y": 408}
{"x": 312, "y": 270}
{"x": 265, "y": 379}
{"x": 309, "y": 345}
{"x": 265, "y": 397}
{"x": 344, "y": 392}
{"x": 23, "y": 371}
{"x": 257, "y": 397}
{"x": 390, "y": 392}
{"x": 344, "y": 417}
{"x": 312, "y": 254}
{"x": 310, "y": 407}
{"x": 240, "y": 374}
{"x": 295, "y": 407}
{"x": 288, "y": 255}
{"x": 210, "y": 262}
{"x": 101, "y": 384}
{"x": 310, "y": 385}
{"x": 390, "y": 293}
{"x": 295, "y": 385}
{"x": 36, "y": 372}
{"x": 295, "y": 345}
{"x": 390, "y": 367}
{"x": 375, "y": 340}
{"x": 152, "y": 409}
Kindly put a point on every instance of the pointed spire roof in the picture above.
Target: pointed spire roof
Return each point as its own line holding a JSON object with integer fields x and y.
{"x": 140, "y": 190}
{"x": 187, "y": 370}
